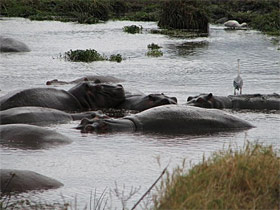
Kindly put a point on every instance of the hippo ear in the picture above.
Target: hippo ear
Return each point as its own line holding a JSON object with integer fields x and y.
{"x": 190, "y": 98}
{"x": 85, "y": 79}
{"x": 97, "y": 81}
{"x": 174, "y": 99}
{"x": 209, "y": 96}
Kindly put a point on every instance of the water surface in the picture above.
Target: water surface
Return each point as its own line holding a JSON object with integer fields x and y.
{"x": 187, "y": 67}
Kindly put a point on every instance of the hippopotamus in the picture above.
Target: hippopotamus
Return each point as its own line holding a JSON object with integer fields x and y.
{"x": 95, "y": 79}
{"x": 169, "y": 119}
{"x": 82, "y": 97}
{"x": 247, "y": 101}
{"x": 143, "y": 102}
{"x": 41, "y": 116}
{"x": 18, "y": 181}
{"x": 12, "y": 45}
{"x": 25, "y": 136}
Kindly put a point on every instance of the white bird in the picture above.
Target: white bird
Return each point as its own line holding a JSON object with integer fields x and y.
{"x": 233, "y": 24}
{"x": 238, "y": 81}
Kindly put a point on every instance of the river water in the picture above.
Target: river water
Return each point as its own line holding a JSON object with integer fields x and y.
{"x": 188, "y": 67}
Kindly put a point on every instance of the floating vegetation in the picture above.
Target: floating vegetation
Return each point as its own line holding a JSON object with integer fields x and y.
{"x": 153, "y": 50}
{"x": 153, "y": 46}
{"x": 154, "y": 53}
{"x": 117, "y": 58}
{"x": 133, "y": 29}
{"x": 89, "y": 55}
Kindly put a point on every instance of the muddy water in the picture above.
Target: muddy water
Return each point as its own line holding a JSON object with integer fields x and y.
{"x": 187, "y": 67}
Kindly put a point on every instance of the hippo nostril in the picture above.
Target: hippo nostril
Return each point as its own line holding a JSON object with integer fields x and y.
{"x": 88, "y": 129}
{"x": 84, "y": 122}
{"x": 165, "y": 101}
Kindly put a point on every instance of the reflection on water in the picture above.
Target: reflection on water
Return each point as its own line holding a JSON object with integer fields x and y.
{"x": 187, "y": 67}
{"x": 188, "y": 48}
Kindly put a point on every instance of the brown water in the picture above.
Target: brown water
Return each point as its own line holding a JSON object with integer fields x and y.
{"x": 188, "y": 67}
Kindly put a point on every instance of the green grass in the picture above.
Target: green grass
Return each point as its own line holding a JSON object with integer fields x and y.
{"x": 155, "y": 53}
{"x": 89, "y": 55}
{"x": 229, "y": 179}
{"x": 133, "y": 29}
{"x": 117, "y": 58}
{"x": 153, "y": 46}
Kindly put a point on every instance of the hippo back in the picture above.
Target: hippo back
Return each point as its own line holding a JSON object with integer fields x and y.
{"x": 33, "y": 137}
{"x": 12, "y": 45}
{"x": 18, "y": 181}
{"x": 33, "y": 115}
{"x": 256, "y": 101}
{"x": 42, "y": 97}
{"x": 186, "y": 119}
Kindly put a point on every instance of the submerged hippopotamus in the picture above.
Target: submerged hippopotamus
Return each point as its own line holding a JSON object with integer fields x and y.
{"x": 12, "y": 45}
{"x": 25, "y": 136}
{"x": 247, "y": 101}
{"x": 95, "y": 79}
{"x": 18, "y": 181}
{"x": 169, "y": 119}
{"x": 143, "y": 102}
{"x": 82, "y": 97}
{"x": 40, "y": 116}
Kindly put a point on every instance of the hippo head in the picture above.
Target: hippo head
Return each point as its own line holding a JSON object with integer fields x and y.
{"x": 154, "y": 100}
{"x": 56, "y": 82}
{"x": 105, "y": 125}
{"x": 202, "y": 100}
{"x": 94, "y": 96}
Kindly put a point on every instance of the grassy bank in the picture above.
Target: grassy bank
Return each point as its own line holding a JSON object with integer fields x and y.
{"x": 244, "y": 179}
{"x": 262, "y": 15}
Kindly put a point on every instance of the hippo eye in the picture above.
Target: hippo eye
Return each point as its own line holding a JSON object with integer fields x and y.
{"x": 86, "y": 85}
{"x": 200, "y": 100}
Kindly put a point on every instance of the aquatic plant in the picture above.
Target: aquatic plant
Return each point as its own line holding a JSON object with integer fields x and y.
{"x": 87, "y": 55}
{"x": 133, "y": 29}
{"x": 153, "y": 46}
{"x": 183, "y": 14}
{"x": 155, "y": 53}
{"x": 117, "y": 58}
{"x": 230, "y": 179}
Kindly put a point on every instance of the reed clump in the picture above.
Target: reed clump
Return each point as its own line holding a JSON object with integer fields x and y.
{"x": 183, "y": 14}
{"x": 243, "y": 179}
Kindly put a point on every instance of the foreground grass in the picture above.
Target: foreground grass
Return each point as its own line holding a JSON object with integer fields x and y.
{"x": 244, "y": 179}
